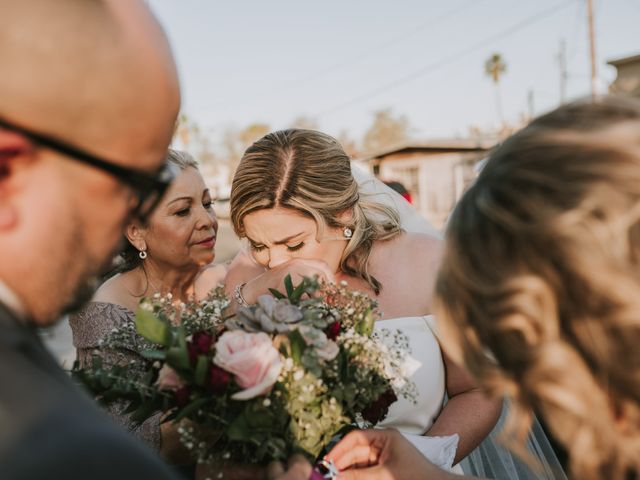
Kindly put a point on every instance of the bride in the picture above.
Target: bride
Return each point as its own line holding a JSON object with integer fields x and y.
{"x": 295, "y": 200}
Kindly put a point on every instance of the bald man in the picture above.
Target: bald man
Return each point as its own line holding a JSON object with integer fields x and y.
{"x": 88, "y": 100}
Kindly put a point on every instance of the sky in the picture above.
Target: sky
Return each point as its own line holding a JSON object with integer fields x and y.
{"x": 339, "y": 61}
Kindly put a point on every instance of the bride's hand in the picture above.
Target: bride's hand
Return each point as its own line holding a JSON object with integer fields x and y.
{"x": 382, "y": 454}
{"x": 298, "y": 268}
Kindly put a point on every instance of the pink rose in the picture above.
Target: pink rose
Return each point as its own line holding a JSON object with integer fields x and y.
{"x": 252, "y": 358}
{"x": 168, "y": 379}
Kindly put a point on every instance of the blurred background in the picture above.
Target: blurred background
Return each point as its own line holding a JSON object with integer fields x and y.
{"x": 417, "y": 91}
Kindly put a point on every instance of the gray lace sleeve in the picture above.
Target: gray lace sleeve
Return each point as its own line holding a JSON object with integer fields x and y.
{"x": 89, "y": 326}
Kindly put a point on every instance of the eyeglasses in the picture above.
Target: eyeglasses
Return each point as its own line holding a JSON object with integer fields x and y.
{"x": 147, "y": 187}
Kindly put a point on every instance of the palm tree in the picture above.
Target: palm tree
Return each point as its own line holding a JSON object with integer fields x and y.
{"x": 495, "y": 67}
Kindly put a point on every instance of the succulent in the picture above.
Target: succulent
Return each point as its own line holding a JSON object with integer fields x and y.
{"x": 268, "y": 315}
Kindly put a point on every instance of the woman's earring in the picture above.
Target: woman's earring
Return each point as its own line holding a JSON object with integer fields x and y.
{"x": 142, "y": 254}
{"x": 347, "y": 232}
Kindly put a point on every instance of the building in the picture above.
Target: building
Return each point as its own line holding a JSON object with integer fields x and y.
{"x": 628, "y": 79}
{"x": 436, "y": 173}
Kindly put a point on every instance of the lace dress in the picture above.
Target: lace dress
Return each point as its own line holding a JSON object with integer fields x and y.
{"x": 89, "y": 326}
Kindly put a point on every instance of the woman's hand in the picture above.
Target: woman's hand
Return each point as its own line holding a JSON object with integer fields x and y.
{"x": 298, "y": 268}
{"x": 382, "y": 455}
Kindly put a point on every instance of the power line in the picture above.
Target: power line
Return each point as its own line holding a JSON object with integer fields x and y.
{"x": 451, "y": 59}
{"x": 375, "y": 49}
{"x": 392, "y": 41}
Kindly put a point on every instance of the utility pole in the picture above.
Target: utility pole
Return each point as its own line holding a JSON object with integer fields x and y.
{"x": 592, "y": 51}
{"x": 530, "y": 103}
{"x": 562, "y": 63}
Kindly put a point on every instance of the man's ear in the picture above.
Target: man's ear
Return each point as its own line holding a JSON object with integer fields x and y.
{"x": 136, "y": 235}
{"x": 13, "y": 148}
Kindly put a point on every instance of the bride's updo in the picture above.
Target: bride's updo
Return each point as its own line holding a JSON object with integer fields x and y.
{"x": 542, "y": 271}
{"x": 309, "y": 171}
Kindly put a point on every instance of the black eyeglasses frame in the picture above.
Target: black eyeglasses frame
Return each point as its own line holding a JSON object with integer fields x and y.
{"x": 148, "y": 187}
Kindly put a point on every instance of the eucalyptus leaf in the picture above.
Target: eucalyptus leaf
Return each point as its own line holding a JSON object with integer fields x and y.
{"x": 239, "y": 429}
{"x": 178, "y": 357}
{"x": 298, "y": 346}
{"x": 298, "y": 292}
{"x": 202, "y": 368}
{"x": 193, "y": 407}
{"x": 365, "y": 326}
{"x": 152, "y": 328}
{"x": 154, "y": 354}
{"x": 277, "y": 294}
{"x": 288, "y": 285}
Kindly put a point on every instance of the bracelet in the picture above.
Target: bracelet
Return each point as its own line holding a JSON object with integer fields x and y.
{"x": 237, "y": 295}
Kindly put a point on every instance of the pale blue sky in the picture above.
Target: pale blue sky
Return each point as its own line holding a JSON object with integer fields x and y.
{"x": 339, "y": 61}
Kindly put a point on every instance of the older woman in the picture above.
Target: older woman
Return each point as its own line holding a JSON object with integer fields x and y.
{"x": 541, "y": 270}
{"x": 295, "y": 200}
{"x": 171, "y": 254}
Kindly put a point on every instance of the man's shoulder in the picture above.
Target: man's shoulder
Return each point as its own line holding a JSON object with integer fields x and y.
{"x": 51, "y": 429}
{"x": 74, "y": 444}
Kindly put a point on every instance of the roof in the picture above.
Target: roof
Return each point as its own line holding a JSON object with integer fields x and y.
{"x": 624, "y": 60}
{"x": 430, "y": 146}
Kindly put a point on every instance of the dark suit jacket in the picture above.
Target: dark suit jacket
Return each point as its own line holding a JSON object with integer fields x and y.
{"x": 50, "y": 429}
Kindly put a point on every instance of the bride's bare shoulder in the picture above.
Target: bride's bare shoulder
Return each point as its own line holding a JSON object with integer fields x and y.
{"x": 414, "y": 248}
{"x": 209, "y": 278}
{"x": 242, "y": 269}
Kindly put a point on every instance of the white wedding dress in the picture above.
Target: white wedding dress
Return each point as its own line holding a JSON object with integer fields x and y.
{"x": 489, "y": 459}
{"x": 426, "y": 371}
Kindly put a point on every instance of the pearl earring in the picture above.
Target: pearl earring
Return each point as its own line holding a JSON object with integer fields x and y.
{"x": 142, "y": 254}
{"x": 347, "y": 232}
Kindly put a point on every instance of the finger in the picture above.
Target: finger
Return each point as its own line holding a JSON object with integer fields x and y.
{"x": 372, "y": 473}
{"x": 274, "y": 470}
{"x": 359, "y": 456}
{"x": 323, "y": 275}
{"x": 351, "y": 440}
{"x": 327, "y": 273}
{"x": 308, "y": 267}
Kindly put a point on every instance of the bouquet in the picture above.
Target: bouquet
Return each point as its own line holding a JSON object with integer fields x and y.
{"x": 280, "y": 377}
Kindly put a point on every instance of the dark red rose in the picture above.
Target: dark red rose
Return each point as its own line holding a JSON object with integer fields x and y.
{"x": 200, "y": 344}
{"x": 182, "y": 396}
{"x": 333, "y": 330}
{"x": 219, "y": 379}
{"x": 378, "y": 409}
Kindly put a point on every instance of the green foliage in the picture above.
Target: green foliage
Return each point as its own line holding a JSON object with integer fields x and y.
{"x": 152, "y": 328}
{"x": 332, "y": 368}
{"x": 308, "y": 286}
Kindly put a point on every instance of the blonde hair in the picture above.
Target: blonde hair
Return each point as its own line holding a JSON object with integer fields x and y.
{"x": 181, "y": 159}
{"x": 541, "y": 271}
{"x": 308, "y": 171}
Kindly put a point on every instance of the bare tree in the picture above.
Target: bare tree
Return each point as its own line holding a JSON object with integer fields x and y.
{"x": 386, "y": 130}
{"x": 235, "y": 142}
{"x": 349, "y": 145}
{"x": 305, "y": 122}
